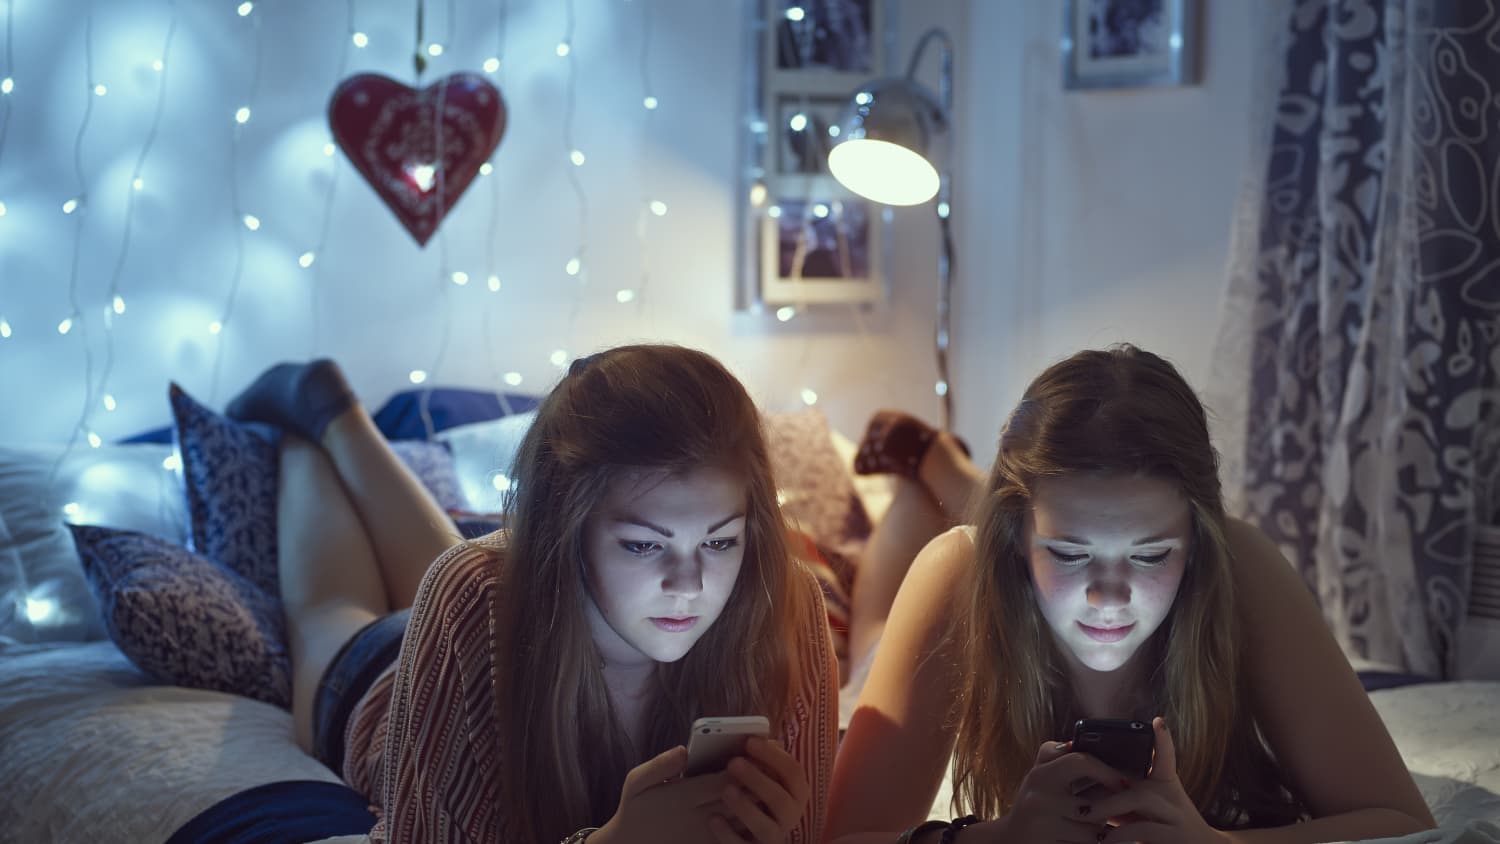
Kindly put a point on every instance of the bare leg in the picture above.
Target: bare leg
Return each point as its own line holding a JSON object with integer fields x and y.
{"x": 913, "y": 519}
{"x": 951, "y": 477}
{"x": 406, "y": 527}
{"x": 331, "y": 583}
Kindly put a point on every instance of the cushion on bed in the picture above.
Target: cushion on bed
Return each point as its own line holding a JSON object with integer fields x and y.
{"x": 184, "y": 619}
{"x": 814, "y": 484}
{"x": 229, "y": 472}
{"x": 483, "y": 453}
{"x": 433, "y": 466}
{"x": 402, "y": 416}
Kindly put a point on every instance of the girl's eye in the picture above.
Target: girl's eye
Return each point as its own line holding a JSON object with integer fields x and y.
{"x": 722, "y": 544}
{"x": 1152, "y": 560}
{"x": 1068, "y": 559}
{"x": 640, "y": 549}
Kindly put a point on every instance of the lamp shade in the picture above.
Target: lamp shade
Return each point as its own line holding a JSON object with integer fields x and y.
{"x": 892, "y": 141}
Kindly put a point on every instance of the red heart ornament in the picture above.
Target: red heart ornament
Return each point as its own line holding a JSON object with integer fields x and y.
{"x": 419, "y": 149}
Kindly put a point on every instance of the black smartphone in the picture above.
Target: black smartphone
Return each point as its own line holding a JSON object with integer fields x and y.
{"x": 1126, "y": 746}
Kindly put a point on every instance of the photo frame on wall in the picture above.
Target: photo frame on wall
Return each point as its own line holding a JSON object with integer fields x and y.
{"x": 804, "y": 238}
{"x": 1130, "y": 43}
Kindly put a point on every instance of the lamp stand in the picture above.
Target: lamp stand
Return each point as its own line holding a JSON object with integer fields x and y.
{"x": 944, "y": 208}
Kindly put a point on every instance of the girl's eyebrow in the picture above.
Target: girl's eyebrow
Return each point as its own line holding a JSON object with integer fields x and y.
{"x": 1073, "y": 540}
{"x": 636, "y": 520}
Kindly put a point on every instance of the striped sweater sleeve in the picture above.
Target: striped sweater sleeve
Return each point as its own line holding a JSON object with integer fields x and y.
{"x": 440, "y": 760}
{"x": 811, "y": 736}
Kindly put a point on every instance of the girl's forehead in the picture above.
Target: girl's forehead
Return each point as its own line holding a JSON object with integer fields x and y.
{"x": 1083, "y": 502}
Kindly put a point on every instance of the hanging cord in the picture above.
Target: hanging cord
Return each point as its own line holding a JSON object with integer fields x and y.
{"x": 569, "y": 109}
{"x": 333, "y": 184}
{"x": 643, "y": 220}
{"x": 489, "y": 255}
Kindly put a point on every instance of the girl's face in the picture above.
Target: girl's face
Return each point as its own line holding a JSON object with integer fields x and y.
{"x": 662, "y": 555}
{"x": 1107, "y": 553}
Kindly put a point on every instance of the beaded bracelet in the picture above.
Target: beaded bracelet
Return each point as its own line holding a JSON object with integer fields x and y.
{"x": 579, "y": 836}
{"x": 950, "y": 835}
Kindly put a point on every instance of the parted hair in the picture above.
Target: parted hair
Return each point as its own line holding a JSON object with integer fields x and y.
{"x": 654, "y": 407}
{"x": 1121, "y": 410}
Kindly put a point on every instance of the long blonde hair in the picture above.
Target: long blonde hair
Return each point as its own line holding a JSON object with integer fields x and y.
{"x": 663, "y": 407}
{"x": 1127, "y": 411}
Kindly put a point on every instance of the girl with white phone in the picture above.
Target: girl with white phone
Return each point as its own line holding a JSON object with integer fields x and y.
{"x": 537, "y": 684}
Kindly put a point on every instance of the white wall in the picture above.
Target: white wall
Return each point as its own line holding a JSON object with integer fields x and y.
{"x": 1090, "y": 218}
{"x": 1081, "y": 218}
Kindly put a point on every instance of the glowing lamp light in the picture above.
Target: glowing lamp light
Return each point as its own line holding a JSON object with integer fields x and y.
{"x": 658, "y": 208}
{"x": 563, "y": 49}
{"x": 252, "y": 222}
{"x": 65, "y": 326}
{"x": 491, "y": 65}
{"x": 513, "y": 379}
{"x": 460, "y": 278}
{"x": 785, "y": 313}
{"x": 650, "y": 103}
{"x": 109, "y": 403}
{"x": 885, "y": 172}
{"x": 423, "y": 175}
{"x": 119, "y": 304}
{"x": 39, "y": 610}
{"x": 809, "y": 397}
{"x": 417, "y": 376}
{"x": 245, "y": 8}
{"x": 306, "y": 260}
{"x": 494, "y": 284}
{"x": 625, "y": 296}
{"x": 573, "y": 266}
{"x": 559, "y": 358}
{"x": 360, "y": 39}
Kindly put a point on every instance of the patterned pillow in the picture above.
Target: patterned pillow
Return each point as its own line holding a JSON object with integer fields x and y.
{"x": 432, "y": 463}
{"x": 183, "y": 619}
{"x": 817, "y": 491}
{"x": 229, "y": 470}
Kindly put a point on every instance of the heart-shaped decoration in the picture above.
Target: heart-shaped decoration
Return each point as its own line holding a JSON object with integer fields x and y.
{"x": 419, "y": 149}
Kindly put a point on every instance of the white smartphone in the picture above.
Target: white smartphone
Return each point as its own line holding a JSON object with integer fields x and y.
{"x": 714, "y": 741}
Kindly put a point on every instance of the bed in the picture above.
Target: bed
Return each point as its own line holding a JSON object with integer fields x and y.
{"x": 94, "y": 748}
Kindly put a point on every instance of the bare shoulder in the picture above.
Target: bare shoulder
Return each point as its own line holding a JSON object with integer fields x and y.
{"x": 893, "y": 758}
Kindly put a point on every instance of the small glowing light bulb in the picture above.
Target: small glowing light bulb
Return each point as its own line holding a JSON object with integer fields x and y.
{"x": 942, "y": 209}
{"x": 2, "y": 209}
{"x": 138, "y": 183}
{"x": 491, "y": 65}
{"x": 624, "y": 295}
{"x": 460, "y": 278}
{"x": 252, "y": 222}
{"x": 774, "y": 212}
{"x": 171, "y": 463}
{"x": 650, "y": 103}
{"x": 361, "y": 40}
{"x": 72, "y": 509}
{"x": 215, "y": 327}
{"x": 109, "y": 402}
{"x": 94, "y": 441}
{"x": 417, "y": 376}
{"x": 573, "y": 266}
{"x": 758, "y": 194}
{"x": 795, "y": 14}
{"x": 328, "y": 150}
{"x": 834, "y": 130}
{"x": 243, "y": 115}
{"x": 785, "y": 313}
{"x": 246, "y": 8}
{"x": 486, "y": 168}
{"x": 559, "y": 358}
{"x": 70, "y": 206}
{"x": 513, "y": 379}
{"x": 118, "y": 304}
{"x": 500, "y": 482}
{"x": 658, "y": 208}
{"x": 941, "y": 388}
{"x": 65, "y": 326}
{"x": 563, "y": 49}
{"x": 434, "y": 50}
{"x": 158, "y": 65}
{"x": 7, "y": 85}
{"x": 100, "y": 90}
{"x": 423, "y": 175}
{"x": 809, "y": 397}
{"x": 798, "y": 122}
{"x": 306, "y": 260}
{"x": 4, "y": 330}
{"x": 576, "y": 156}
{"x": 39, "y": 610}
{"x": 863, "y": 98}
{"x": 820, "y": 210}
{"x": 494, "y": 284}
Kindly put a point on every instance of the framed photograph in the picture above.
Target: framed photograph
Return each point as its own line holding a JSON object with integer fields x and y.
{"x": 835, "y": 35}
{"x": 819, "y": 251}
{"x": 806, "y": 128}
{"x": 1130, "y": 43}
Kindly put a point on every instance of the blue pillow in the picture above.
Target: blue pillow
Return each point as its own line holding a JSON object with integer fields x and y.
{"x": 229, "y": 470}
{"x": 183, "y": 619}
{"x": 400, "y": 418}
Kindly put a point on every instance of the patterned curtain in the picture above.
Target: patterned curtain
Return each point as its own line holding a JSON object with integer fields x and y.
{"x": 1357, "y": 376}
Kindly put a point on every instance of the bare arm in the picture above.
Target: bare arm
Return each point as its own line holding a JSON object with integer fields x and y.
{"x": 895, "y": 754}
{"x": 1316, "y": 717}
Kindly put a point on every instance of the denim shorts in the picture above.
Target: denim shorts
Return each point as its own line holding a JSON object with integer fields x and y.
{"x": 347, "y": 678}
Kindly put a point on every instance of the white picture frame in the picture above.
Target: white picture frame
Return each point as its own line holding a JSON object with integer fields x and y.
{"x": 1130, "y": 43}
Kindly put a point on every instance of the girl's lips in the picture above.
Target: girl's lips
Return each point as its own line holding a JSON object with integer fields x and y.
{"x": 676, "y": 625}
{"x": 1107, "y": 634}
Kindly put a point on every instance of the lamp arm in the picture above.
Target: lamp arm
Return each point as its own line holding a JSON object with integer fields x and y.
{"x": 945, "y": 92}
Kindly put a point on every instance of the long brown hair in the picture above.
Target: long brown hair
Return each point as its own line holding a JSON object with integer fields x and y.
{"x": 1127, "y": 411}
{"x": 656, "y": 407}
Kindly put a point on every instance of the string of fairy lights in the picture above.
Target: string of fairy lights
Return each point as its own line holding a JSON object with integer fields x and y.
{"x": 246, "y": 221}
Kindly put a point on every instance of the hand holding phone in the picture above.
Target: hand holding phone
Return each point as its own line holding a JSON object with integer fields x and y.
{"x": 1126, "y": 746}
{"x": 714, "y": 741}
